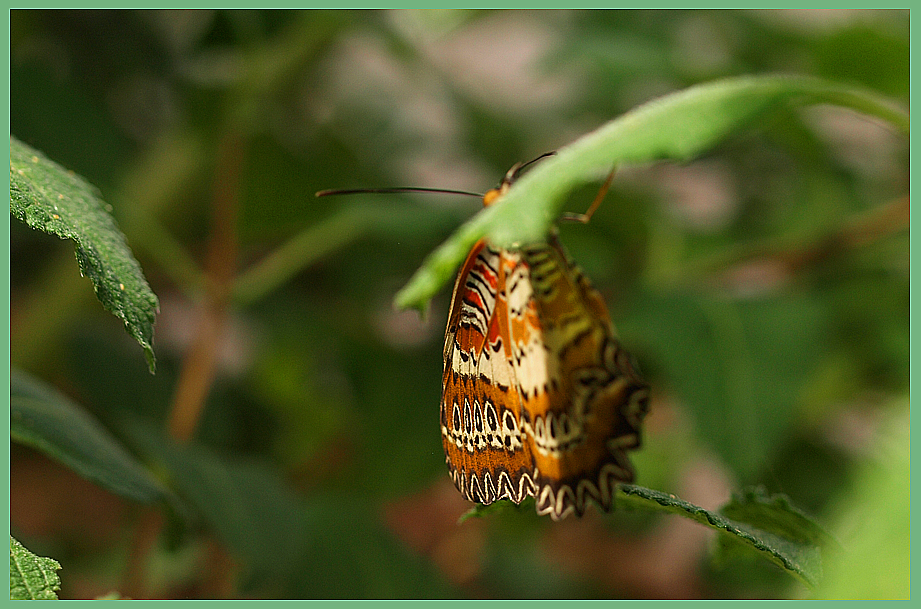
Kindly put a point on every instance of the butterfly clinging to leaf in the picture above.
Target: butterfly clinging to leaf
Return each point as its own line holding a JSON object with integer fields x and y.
{"x": 539, "y": 397}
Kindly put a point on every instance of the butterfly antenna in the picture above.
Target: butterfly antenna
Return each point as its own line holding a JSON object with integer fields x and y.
{"x": 509, "y": 178}
{"x": 512, "y": 174}
{"x": 534, "y": 160}
{"x": 399, "y": 189}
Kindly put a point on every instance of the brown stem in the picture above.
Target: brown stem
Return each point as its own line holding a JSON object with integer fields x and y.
{"x": 199, "y": 366}
{"x": 146, "y": 533}
{"x": 861, "y": 231}
{"x": 220, "y": 575}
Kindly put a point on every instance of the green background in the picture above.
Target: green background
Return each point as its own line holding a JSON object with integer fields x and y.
{"x": 763, "y": 288}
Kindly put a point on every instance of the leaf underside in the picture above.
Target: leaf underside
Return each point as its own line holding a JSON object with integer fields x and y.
{"x": 678, "y": 127}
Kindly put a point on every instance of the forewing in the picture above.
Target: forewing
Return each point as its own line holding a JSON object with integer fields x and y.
{"x": 486, "y": 449}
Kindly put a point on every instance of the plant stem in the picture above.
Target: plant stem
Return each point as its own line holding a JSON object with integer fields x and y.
{"x": 146, "y": 534}
{"x": 199, "y": 366}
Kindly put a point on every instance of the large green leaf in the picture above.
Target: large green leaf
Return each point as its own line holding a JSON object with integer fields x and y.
{"x": 32, "y": 577}
{"x": 48, "y": 421}
{"x": 677, "y": 126}
{"x": 49, "y": 198}
{"x": 739, "y": 365}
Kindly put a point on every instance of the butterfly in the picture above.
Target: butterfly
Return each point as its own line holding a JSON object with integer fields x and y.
{"x": 539, "y": 397}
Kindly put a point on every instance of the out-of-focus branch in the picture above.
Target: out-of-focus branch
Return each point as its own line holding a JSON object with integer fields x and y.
{"x": 198, "y": 368}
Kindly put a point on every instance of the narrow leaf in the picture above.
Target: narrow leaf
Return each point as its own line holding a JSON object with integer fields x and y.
{"x": 49, "y": 198}
{"x": 482, "y": 511}
{"x": 799, "y": 558}
{"x": 48, "y": 421}
{"x": 775, "y": 514}
{"x": 32, "y": 577}
{"x": 678, "y": 126}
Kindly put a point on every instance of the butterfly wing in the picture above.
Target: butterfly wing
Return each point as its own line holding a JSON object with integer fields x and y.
{"x": 486, "y": 449}
{"x": 586, "y": 414}
{"x": 539, "y": 396}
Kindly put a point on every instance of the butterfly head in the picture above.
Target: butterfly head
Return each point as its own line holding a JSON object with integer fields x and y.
{"x": 511, "y": 175}
{"x": 494, "y": 194}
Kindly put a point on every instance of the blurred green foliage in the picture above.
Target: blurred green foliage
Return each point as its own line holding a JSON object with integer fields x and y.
{"x": 764, "y": 289}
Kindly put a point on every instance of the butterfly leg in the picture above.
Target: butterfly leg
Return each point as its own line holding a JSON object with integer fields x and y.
{"x": 602, "y": 192}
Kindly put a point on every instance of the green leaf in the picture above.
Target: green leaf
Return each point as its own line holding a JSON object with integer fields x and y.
{"x": 48, "y": 421}
{"x": 678, "y": 126}
{"x": 352, "y": 554}
{"x": 775, "y": 518}
{"x": 32, "y": 577}
{"x": 738, "y": 364}
{"x": 769, "y": 525}
{"x": 481, "y": 511}
{"x": 775, "y": 514}
{"x": 784, "y": 546}
{"x": 49, "y": 198}
{"x": 246, "y": 502}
